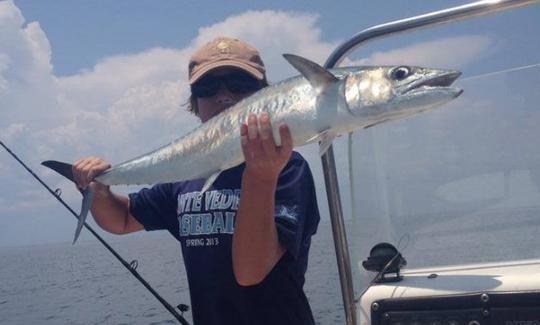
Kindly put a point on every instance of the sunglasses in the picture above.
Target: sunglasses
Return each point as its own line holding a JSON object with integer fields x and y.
{"x": 237, "y": 83}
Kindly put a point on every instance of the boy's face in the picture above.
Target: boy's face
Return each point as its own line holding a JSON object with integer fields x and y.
{"x": 222, "y": 88}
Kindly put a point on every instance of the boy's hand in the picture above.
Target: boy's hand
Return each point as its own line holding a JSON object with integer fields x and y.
{"x": 264, "y": 160}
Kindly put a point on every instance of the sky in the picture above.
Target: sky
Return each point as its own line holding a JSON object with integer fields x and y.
{"x": 109, "y": 78}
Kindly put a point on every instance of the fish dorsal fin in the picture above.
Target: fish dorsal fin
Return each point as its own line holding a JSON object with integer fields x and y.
{"x": 318, "y": 77}
{"x": 326, "y": 86}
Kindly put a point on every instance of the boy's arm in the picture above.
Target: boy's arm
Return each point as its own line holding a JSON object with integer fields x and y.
{"x": 256, "y": 248}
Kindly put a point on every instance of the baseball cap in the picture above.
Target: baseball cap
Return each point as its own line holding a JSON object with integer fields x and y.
{"x": 225, "y": 52}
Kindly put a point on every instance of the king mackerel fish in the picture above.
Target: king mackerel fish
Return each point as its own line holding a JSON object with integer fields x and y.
{"x": 318, "y": 106}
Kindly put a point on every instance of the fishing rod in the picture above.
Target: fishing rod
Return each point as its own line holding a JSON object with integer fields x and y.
{"x": 132, "y": 267}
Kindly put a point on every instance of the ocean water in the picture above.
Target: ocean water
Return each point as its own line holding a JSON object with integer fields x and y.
{"x": 85, "y": 284}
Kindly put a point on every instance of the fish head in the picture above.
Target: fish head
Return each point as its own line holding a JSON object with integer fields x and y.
{"x": 392, "y": 92}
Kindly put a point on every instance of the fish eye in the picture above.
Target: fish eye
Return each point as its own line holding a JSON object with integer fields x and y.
{"x": 400, "y": 73}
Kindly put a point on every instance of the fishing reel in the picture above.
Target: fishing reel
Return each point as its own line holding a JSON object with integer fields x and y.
{"x": 385, "y": 259}
{"x": 183, "y": 308}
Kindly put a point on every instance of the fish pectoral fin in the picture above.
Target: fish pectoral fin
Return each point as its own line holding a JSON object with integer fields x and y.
{"x": 318, "y": 77}
{"x": 325, "y": 141}
{"x": 209, "y": 181}
{"x": 314, "y": 138}
{"x": 88, "y": 198}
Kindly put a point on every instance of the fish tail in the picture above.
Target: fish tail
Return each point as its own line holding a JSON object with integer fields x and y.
{"x": 61, "y": 168}
{"x": 65, "y": 170}
{"x": 88, "y": 198}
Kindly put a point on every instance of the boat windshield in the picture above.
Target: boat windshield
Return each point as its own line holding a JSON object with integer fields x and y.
{"x": 459, "y": 185}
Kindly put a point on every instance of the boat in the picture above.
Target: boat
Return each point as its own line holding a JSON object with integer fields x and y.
{"x": 449, "y": 270}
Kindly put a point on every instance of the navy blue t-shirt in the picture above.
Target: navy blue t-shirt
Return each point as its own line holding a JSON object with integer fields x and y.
{"x": 204, "y": 225}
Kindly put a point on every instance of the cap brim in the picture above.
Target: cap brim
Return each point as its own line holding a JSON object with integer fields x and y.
{"x": 226, "y": 63}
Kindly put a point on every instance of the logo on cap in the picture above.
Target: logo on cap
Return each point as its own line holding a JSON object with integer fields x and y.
{"x": 223, "y": 48}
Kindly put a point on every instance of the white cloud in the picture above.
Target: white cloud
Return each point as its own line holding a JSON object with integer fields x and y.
{"x": 123, "y": 98}
{"x": 275, "y": 33}
{"x": 112, "y": 77}
{"x": 11, "y": 132}
{"x": 131, "y": 103}
{"x": 124, "y": 105}
{"x": 4, "y": 64}
{"x": 26, "y": 81}
{"x": 450, "y": 52}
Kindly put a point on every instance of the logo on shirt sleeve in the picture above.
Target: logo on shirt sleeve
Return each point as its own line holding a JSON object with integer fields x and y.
{"x": 287, "y": 213}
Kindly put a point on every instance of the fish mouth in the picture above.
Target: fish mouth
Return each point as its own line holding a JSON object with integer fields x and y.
{"x": 439, "y": 81}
